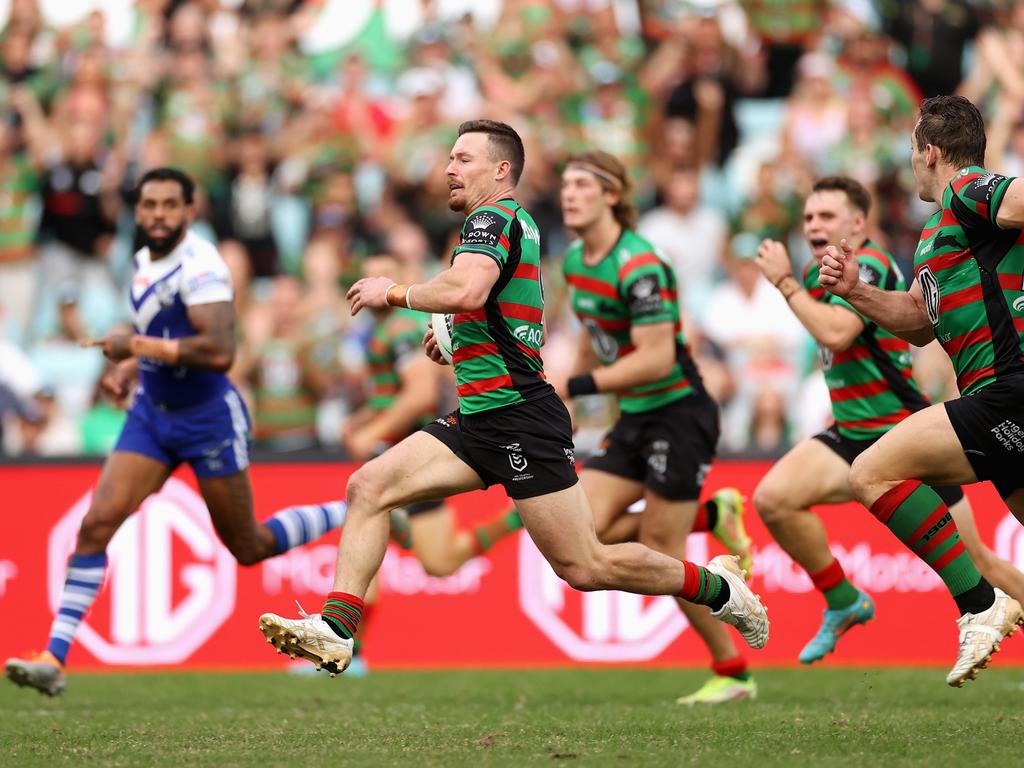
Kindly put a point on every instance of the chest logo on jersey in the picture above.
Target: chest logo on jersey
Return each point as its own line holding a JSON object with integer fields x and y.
{"x": 164, "y": 293}
{"x": 930, "y": 289}
{"x": 605, "y": 346}
{"x": 531, "y": 336}
{"x": 826, "y": 357}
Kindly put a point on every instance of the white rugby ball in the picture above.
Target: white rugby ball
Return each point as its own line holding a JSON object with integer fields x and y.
{"x": 442, "y": 325}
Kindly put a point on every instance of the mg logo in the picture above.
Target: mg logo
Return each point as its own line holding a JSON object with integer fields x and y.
{"x": 599, "y": 626}
{"x": 1010, "y": 541}
{"x": 170, "y": 583}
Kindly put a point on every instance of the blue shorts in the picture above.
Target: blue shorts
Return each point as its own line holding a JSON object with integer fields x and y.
{"x": 211, "y": 436}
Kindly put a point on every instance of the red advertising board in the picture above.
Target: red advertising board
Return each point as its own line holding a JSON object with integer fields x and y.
{"x": 174, "y": 596}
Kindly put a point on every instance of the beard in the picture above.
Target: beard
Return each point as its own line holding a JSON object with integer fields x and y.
{"x": 161, "y": 245}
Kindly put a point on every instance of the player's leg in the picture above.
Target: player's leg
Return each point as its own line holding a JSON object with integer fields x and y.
{"x": 722, "y": 517}
{"x": 998, "y": 572}
{"x": 442, "y": 548}
{"x": 812, "y": 473}
{"x": 126, "y": 480}
{"x": 229, "y": 499}
{"x": 926, "y": 447}
{"x": 419, "y": 468}
{"x": 562, "y": 526}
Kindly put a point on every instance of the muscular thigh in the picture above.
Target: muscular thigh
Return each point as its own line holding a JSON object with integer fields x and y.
{"x": 560, "y": 524}
{"x": 923, "y": 447}
{"x": 810, "y": 473}
{"x": 609, "y": 496}
{"x": 125, "y": 482}
{"x": 419, "y": 468}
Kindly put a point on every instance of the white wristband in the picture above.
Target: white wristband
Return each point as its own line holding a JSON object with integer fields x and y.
{"x": 408, "y": 296}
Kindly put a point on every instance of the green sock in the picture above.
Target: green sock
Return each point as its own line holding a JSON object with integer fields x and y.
{"x": 842, "y": 596}
{"x": 495, "y": 530}
{"x": 920, "y": 519}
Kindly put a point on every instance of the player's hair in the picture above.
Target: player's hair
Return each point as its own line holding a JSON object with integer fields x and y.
{"x": 505, "y": 143}
{"x": 612, "y": 175}
{"x": 954, "y": 125}
{"x": 188, "y": 187}
{"x": 855, "y": 192}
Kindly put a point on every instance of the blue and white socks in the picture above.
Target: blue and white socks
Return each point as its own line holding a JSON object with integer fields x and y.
{"x": 85, "y": 576}
{"x": 295, "y": 526}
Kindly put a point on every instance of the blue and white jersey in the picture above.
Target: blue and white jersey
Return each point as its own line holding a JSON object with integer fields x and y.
{"x": 161, "y": 292}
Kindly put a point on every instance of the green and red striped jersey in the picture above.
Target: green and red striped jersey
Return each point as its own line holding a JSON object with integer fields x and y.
{"x": 970, "y": 272}
{"x": 634, "y": 284}
{"x": 496, "y": 349}
{"x": 871, "y": 383}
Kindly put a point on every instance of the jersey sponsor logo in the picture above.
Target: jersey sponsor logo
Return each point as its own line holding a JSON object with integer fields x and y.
{"x": 164, "y": 293}
{"x": 171, "y": 583}
{"x": 530, "y": 232}
{"x": 981, "y": 188}
{"x": 868, "y": 274}
{"x": 204, "y": 279}
{"x": 482, "y": 221}
{"x": 645, "y": 295}
{"x": 599, "y": 626}
{"x": 483, "y": 229}
{"x": 930, "y": 289}
{"x": 529, "y": 335}
{"x": 605, "y": 346}
{"x": 1018, "y": 304}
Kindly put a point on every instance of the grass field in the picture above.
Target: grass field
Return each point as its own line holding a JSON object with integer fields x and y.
{"x": 821, "y": 717}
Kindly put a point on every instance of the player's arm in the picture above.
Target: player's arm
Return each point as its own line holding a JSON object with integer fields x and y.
{"x": 586, "y": 358}
{"x": 1010, "y": 214}
{"x": 652, "y": 358}
{"x": 831, "y": 325}
{"x": 417, "y": 395}
{"x": 463, "y": 287}
{"x": 212, "y": 347}
{"x": 901, "y": 313}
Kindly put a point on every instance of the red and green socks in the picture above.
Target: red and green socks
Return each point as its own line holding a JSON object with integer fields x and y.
{"x": 486, "y": 535}
{"x": 831, "y": 581}
{"x": 919, "y": 518}
{"x": 703, "y": 587}
{"x": 707, "y": 517}
{"x": 735, "y": 667}
{"x": 342, "y": 613}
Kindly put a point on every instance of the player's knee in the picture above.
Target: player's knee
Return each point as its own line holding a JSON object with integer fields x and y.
{"x": 863, "y": 479}
{"x": 97, "y": 529}
{"x": 438, "y": 567}
{"x": 366, "y": 489}
{"x": 769, "y": 503}
{"x": 246, "y": 553}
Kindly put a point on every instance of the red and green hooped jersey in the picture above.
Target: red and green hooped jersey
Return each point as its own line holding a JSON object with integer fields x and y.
{"x": 632, "y": 285}
{"x": 870, "y": 384}
{"x": 396, "y": 339}
{"x": 496, "y": 349}
{"x": 971, "y": 274}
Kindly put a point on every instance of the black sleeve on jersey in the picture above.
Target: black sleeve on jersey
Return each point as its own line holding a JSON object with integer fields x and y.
{"x": 982, "y": 188}
{"x": 483, "y": 228}
{"x": 644, "y": 296}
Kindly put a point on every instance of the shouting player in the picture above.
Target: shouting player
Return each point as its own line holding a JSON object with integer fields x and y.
{"x": 867, "y": 370}
{"x": 185, "y": 410}
{"x": 511, "y": 427}
{"x": 966, "y": 293}
{"x": 661, "y": 447}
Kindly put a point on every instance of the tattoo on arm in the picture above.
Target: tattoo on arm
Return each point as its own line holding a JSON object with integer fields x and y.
{"x": 213, "y": 346}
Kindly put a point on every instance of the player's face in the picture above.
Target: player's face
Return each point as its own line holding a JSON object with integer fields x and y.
{"x": 471, "y": 172}
{"x": 921, "y": 171}
{"x": 584, "y": 200}
{"x": 828, "y": 218}
{"x": 162, "y": 214}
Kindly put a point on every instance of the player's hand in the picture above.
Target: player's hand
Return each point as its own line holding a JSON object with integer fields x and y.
{"x": 840, "y": 271}
{"x": 430, "y": 347}
{"x": 117, "y": 346}
{"x": 118, "y": 382}
{"x": 371, "y": 292}
{"x": 773, "y": 261}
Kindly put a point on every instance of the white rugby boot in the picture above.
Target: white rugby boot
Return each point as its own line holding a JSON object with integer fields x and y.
{"x": 980, "y": 636}
{"x": 743, "y": 609}
{"x": 309, "y": 638}
{"x": 37, "y": 669}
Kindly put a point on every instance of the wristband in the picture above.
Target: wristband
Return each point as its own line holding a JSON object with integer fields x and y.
{"x": 408, "y": 297}
{"x": 395, "y": 302}
{"x": 778, "y": 282}
{"x": 164, "y": 350}
{"x": 583, "y": 384}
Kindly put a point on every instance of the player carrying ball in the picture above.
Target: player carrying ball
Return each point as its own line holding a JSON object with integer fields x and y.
{"x": 511, "y": 427}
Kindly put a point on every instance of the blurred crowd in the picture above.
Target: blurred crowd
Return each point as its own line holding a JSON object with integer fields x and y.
{"x": 315, "y": 149}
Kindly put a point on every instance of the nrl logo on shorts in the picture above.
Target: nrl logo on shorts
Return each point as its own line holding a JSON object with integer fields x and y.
{"x": 483, "y": 221}
{"x": 515, "y": 457}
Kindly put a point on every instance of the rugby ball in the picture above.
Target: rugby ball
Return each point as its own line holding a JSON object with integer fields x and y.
{"x": 442, "y": 325}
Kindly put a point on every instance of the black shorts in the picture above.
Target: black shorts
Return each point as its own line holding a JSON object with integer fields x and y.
{"x": 849, "y": 449}
{"x": 527, "y": 447}
{"x": 669, "y": 449}
{"x": 422, "y": 507}
{"x": 990, "y": 426}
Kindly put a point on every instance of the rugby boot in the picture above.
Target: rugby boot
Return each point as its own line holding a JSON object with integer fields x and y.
{"x": 743, "y": 609}
{"x": 719, "y": 689}
{"x": 980, "y": 636}
{"x": 834, "y": 625}
{"x": 38, "y": 669}
{"x": 729, "y": 529}
{"x": 309, "y": 638}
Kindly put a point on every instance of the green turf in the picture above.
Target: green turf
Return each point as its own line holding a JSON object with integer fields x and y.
{"x": 813, "y": 717}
